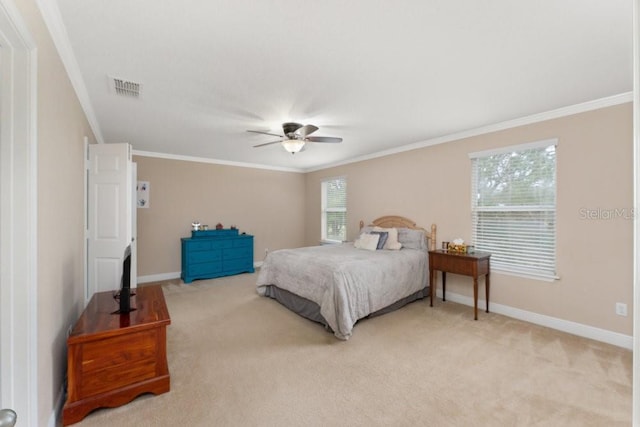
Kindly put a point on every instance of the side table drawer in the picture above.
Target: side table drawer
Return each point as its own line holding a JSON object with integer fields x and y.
{"x": 456, "y": 266}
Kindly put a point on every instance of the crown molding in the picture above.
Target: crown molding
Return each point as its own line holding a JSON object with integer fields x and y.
{"x": 53, "y": 20}
{"x": 597, "y": 104}
{"x": 212, "y": 161}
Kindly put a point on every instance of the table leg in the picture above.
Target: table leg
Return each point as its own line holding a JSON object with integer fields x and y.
{"x": 486, "y": 289}
{"x": 432, "y": 286}
{"x": 444, "y": 286}
{"x": 475, "y": 298}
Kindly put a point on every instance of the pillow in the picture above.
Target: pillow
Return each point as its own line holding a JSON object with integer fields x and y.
{"x": 384, "y": 235}
{"x": 412, "y": 239}
{"x": 367, "y": 241}
{"x": 392, "y": 239}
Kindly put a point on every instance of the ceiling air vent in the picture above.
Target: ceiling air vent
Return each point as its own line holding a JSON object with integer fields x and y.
{"x": 125, "y": 87}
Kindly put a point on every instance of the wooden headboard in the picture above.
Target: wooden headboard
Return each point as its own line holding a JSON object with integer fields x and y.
{"x": 395, "y": 221}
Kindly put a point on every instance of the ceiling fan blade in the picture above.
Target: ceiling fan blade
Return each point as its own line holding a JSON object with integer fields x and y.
{"x": 268, "y": 143}
{"x": 323, "y": 139}
{"x": 306, "y": 130}
{"x": 265, "y": 133}
{"x": 290, "y": 127}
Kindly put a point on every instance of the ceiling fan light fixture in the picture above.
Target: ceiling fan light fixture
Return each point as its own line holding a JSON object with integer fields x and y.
{"x": 295, "y": 137}
{"x": 293, "y": 145}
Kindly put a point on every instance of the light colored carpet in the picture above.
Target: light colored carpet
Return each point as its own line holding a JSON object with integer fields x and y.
{"x": 238, "y": 359}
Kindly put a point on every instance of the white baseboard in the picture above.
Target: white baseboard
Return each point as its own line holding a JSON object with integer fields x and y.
{"x": 158, "y": 277}
{"x": 57, "y": 408}
{"x": 609, "y": 337}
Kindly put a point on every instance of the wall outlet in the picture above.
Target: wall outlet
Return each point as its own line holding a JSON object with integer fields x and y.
{"x": 621, "y": 309}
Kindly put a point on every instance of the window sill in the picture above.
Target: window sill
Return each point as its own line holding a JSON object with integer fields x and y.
{"x": 524, "y": 275}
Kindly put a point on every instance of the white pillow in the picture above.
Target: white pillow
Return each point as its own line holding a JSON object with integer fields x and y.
{"x": 367, "y": 241}
{"x": 392, "y": 240}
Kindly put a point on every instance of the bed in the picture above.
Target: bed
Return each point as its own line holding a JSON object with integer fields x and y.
{"x": 337, "y": 285}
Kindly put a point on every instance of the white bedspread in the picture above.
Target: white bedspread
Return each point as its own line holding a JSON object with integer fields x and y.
{"x": 347, "y": 283}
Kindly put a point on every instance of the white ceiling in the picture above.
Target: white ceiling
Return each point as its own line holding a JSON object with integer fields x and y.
{"x": 379, "y": 74}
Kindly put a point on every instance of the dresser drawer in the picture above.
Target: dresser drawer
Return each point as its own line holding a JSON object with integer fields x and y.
{"x": 194, "y": 245}
{"x": 243, "y": 242}
{"x": 205, "y": 256}
{"x": 238, "y": 264}
{"x": 241, "y": 252}
{"x": 204, "y": 268}
{"x": 202, "y": 244}
{"x": 221, "y": 243}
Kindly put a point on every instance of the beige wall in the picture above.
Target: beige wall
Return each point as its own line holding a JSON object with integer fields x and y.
{"x": 595, "y": 171}
{"x": 60, "y": 130}
{"x": 266, "y": 204}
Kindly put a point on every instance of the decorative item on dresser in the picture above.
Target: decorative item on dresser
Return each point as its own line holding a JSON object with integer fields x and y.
{"x": 215, "y": 253}
{"x": 112, "y": 358}
{"x": 336, "y": 285}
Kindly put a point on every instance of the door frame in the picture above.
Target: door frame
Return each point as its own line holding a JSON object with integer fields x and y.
{"x": 18, "y": 217}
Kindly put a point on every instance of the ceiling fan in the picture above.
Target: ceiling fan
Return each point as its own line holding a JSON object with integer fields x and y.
{"x": 296, "y": 136}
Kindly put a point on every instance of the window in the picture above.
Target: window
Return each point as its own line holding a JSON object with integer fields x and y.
{"x": 514, "y": 207}
{"x": 334, "y": 209}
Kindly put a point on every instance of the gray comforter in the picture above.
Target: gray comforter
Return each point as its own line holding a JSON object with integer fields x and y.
{"x": 347, "y": 283}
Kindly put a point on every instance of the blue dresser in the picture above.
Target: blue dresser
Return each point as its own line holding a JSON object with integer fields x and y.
{"x": 215, "y": 253}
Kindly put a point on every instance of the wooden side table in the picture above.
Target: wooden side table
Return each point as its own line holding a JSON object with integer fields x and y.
{"x": 475, "y": 264}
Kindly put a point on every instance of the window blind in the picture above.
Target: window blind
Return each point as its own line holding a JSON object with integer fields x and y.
{"x": 514, "y": 208}
{"x": 334, "y": 209}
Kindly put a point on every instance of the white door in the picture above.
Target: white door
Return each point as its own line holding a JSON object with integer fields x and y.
{"x": 134, "y": 225}
{"x": 110, "y": 214}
